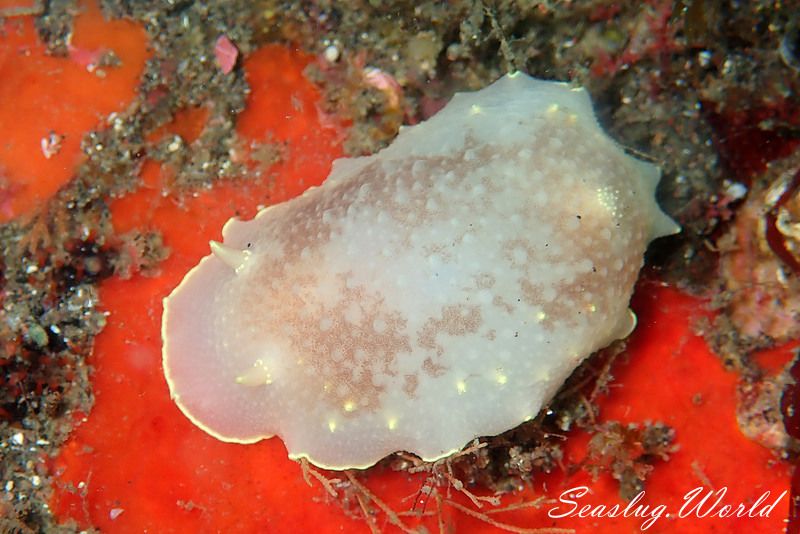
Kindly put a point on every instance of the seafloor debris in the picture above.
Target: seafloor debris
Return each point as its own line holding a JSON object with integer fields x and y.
{"x": 628, "y": 452}
{"x": 758, "y": 259}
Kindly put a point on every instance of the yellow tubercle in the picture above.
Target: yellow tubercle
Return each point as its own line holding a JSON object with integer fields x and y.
{"x": 258, "y": 375}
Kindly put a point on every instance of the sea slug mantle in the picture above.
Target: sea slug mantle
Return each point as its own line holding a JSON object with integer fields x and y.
{"x": 439, "y": 290}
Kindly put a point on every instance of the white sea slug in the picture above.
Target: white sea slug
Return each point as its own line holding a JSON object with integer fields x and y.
{"x": 439, "y": 290}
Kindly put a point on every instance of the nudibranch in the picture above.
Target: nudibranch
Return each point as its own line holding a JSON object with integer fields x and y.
{"x": 437, "y": 291}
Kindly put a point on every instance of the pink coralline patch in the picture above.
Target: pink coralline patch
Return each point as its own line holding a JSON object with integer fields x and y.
{"x": 652, "y": 35}
{"x": 225, "y": 53}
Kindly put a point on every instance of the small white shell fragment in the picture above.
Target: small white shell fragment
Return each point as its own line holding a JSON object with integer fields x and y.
{"x": 439, "y": 290}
